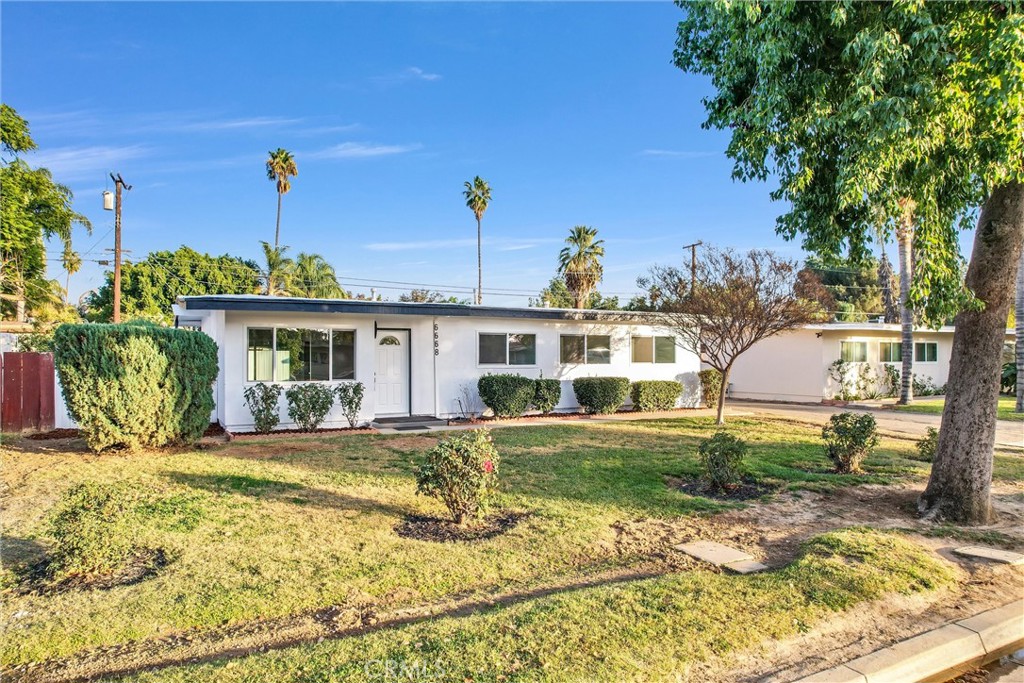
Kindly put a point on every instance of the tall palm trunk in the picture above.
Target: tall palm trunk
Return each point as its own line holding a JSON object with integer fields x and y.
{"x": 479, "y": 265}
{"x": 277, "y": 230}
{"x": 1019, "y": 315}
{"x": 959, "y": 487}
{"x": 904, "y": 238}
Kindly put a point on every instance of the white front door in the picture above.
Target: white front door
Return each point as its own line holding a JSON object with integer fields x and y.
{"x": 392, "y": 376}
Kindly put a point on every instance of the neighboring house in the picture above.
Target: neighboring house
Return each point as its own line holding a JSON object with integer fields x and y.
{"x": 421, "y": 358}
{"x": 795, "y": 366}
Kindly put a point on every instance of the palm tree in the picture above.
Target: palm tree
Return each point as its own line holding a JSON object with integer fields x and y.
{"x": 580, "y": 263}
{"x": 277, "y": 273}
{"x": 905, "y": 238}
{"x": 72, "y": 262}
{"x": 280, "y": 167}
{"x": 314, "y": 278}
{"x": 478, "y": 196}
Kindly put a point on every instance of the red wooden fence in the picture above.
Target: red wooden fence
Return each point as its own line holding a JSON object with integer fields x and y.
{"x": 26, "y": 392}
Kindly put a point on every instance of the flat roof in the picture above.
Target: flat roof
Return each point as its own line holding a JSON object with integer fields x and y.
{"x": 284, "y": 304}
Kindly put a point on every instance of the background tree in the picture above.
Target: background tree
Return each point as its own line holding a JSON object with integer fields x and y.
{"x": 314, "y": 278}
{"x": 739, "y": 300}
{"x": 33, "y": 208}
{"x": 1019, "y": 325}
{"x": 478, "y": 197}
{"x": 277, "y": 270}
{"x": 853, "y": 284}
{"x": 557, "y": 295}
{"x": 280, "y": 167}
{"x": 426, "y": 296}
{"x": 857, "y": 107}
{"x": 72, "y": 262}
{"x": 579, "y": 263}
{"x": 150, "y": 286}
{"x": 905, "y": 241}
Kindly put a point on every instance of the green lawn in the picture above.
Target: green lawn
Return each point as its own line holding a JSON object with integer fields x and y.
{"x": 1005, "y": 411}
{"x": 269, "y": 529}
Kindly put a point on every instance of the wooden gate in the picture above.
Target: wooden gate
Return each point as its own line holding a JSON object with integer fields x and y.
{"x": 26, "y": 392}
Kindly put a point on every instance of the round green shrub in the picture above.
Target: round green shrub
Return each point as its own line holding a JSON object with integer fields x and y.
{"x": 461, "y": 471}
{"x": 721, "y": 460}
{"x": 547, "y": 393}
{"x": 350, "y": 397}
{"x": 601, "y": 394}
{"x": 655, "y": 394}
{"x": 849, "y": 438}
{"x": 261, "y": 400}
{"x": 506, "y": 395}
{"x": 927, "y": 446}
{"x": 308, "y": 405}
{"x": 710, "y": 386}
{"x": 136, "y": 386}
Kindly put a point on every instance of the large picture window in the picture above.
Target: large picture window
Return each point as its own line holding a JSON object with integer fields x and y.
{"x": 926, "y": 352}
{"x": 890, "y": 352}
{"x": 654, "y": 349}
{"x": 507, "y": 349}
{"x": 590, "y": 349}
{"x": 296, "y": 354}
{"x": 853, "y": 351}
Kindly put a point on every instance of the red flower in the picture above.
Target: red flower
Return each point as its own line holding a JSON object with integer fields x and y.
{"x": 488, "y": 466}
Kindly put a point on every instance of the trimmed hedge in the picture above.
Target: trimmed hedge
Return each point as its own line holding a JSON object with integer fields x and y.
{"x": 601, "y": 394}
{"x": 710, "y": 386}
{"x": 506, "y": 395}
{"x": 136, "y": 386}
{"x": 655, "y": 394}
{"x": 547, "y": 393}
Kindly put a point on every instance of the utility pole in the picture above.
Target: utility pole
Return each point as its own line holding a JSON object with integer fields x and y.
{"x": 119, "y": 183}
{"x": 693, "y": 264}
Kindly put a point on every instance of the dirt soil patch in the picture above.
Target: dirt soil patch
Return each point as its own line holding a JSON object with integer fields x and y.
{"x": 292, "y": 433}
{"x": 437, "y": 530}
{"x": 748, "y": 489}
{"x": 143, "y": 565}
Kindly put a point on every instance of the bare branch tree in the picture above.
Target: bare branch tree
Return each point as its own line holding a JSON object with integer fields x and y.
{"x": 738, "y": 300}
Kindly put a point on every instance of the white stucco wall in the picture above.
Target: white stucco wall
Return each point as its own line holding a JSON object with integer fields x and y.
{"x": 787, "y": 367}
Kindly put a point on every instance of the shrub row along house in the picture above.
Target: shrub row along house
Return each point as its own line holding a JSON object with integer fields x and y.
{"x": 423, "y": 359}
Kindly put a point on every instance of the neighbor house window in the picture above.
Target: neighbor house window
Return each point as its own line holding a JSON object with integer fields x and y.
{"x": 926, "y": 352}
{"x": 654, "y": 349}
{"x": 293, "y": 354}
{"x": 507, "y": 349}
{"x": 890, "y": 352}
{"x": 592, "y": 349}
{"x": 853, "y": 352}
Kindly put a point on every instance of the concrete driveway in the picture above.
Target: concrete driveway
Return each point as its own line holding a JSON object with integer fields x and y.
{"x": 1009, "y": 434}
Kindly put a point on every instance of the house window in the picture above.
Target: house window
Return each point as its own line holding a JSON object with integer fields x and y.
{"x": 591, "y": 349}
{"x": 291, "y": 354}
{"x": 507, "y": 349}
{"x": 890, "y": 352}
{"x": 654, "y": 349}
{"x": 853, "y": 352}
{"x": 926, "y": 352}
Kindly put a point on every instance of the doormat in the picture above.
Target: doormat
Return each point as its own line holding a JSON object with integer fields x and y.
{"x": 410, "y": 428}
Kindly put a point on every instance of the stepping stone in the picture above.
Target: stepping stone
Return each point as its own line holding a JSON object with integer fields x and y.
{"x": 746, "y": 566}
{"x": 1004, "y": 556}
{"x": 715, "y": 553}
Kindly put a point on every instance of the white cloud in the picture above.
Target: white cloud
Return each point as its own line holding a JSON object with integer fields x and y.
{"x": 425, "y": 244}
{"x": 68, "y": 163}
{"x": 360, "y": 150}
{"x": 678, "y": 154}
{"x": 408, "y": 75}
{"x": 235, "y": 124}
{"x": 418, "y": 73}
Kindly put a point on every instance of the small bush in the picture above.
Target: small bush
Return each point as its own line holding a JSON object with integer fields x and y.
{"x": 308, "y": 405}
{"x": 350, "y": 397}
{"x": 721, "y": 459}
{"x": 506, "y": 395}
{"x": 546, "y": 394}
{"x": 927, "y": 446}
{"x": 261, "y": 400}
{"x": 601, "y": 394}
{"x": 849, "y": 438}
{"x": 462, "y": 471}
{"x": 92, "y": 529}
{"x": 135, "y": 385}
{"x": 710, "y": 386}
{"x": 655, "y": 394}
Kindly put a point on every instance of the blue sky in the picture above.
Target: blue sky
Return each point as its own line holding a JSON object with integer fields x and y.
{"x": 573, "y": 112}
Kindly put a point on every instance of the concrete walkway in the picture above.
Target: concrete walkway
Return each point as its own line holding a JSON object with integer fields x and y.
{"x": 1009, "y": 434}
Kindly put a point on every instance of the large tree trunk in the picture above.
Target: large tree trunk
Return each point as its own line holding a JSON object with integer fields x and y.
{"x": 959, "y": 487}
{"x": 479, "y": 265}
{"x": 904, "y": 238}
{"x": 277, "y": 230}
{"x": 1019, "y": 315}
{"x": 721, "y": 395}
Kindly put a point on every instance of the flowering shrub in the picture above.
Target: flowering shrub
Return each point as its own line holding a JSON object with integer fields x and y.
{"x": 849, "y": 438}
{"x": 350, "y": 396}
{"x": 261, "y": 400}
{"x": 308, "y": 405}
{"x": 462, "y": 471}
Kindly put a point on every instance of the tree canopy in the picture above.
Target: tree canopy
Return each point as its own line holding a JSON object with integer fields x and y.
{"x": 557, "y": 295}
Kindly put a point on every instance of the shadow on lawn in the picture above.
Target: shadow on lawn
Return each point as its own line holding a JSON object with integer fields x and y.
{"x": 286, "y": 491}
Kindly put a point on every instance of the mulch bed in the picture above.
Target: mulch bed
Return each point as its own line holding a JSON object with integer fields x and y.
{"x": 747, "y": 489}
{"x": 424, "y": 528}
{"x": 298, "y": 432}
{"x": 560, "y": 416}
{"x": 143, "y": 565}
{"x": 55, "y": 434}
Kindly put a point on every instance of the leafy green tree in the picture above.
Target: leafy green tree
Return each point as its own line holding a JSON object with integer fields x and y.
{"x": 425, "y": 296}
{"x": 557, "y": 295}
{"x": 149, "y": 287}
{"x": 579, "y": 263}
{"x": 314, "y": 278}
{"x": 33, "y": 208}
{"x": 859, "y": 108}
{"x": 853, "y": 286}
{"x": 280, "y": 167}
{"x": 478, "y": 198}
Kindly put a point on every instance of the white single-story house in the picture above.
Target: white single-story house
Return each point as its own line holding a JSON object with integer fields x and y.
{"x": 795, "y": 366}
{"x": 422, "y": 359}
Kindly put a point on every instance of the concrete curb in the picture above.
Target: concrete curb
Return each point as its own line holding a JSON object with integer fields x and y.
{"x": 936, "y": 655}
